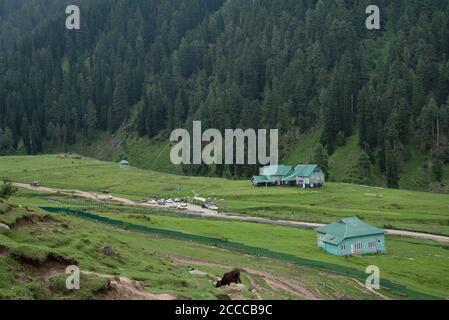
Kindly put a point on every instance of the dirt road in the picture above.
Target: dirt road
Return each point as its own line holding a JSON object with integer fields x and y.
{"x": 275, "y": 283}
{"x": 206, "y": 213}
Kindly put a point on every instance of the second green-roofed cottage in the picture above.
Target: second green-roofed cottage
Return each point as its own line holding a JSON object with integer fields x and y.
{"x": 305, "y": 176}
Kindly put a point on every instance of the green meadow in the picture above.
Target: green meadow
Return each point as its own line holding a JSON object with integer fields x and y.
{"x": 400, "y": 209}
{"x": 419, "y": 264}
{"x": 25, "y": 272}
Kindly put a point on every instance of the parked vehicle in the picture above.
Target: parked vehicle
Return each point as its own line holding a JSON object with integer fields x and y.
{"x": 199, "y": 201}
{"x": 152, "y": 202}
{"x": 169, "y": 201}
{"x": 161, "y": 202}
{"x": 205, "y": 203}
{"x": 35, "y": 184}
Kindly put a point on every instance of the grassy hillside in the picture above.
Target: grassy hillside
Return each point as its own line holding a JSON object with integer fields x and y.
{"x": 35, "y": 253}
{"x": 401, "y": 209}
{"x": 416, "y": 171}
{"x": 413, "y": 256}
{"x": 140, "y": 152}
{"x": 423, "y": 263}
{"x": 154, "y": 154}
{"x": 304, "y": 148}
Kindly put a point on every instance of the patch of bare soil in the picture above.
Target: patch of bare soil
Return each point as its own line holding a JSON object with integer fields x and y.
{"x": 274, "y": 282}
{"x": 53, "y": 265}
{"x": 33, "y": 219}
{"x": 122, "y": 288}
{"x": 115, "y": 142}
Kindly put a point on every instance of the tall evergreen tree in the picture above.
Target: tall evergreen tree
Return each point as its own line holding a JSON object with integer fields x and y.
{"x": 119, "y": 110}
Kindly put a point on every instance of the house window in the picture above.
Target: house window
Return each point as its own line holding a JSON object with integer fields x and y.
{"x": 320, "y": 239}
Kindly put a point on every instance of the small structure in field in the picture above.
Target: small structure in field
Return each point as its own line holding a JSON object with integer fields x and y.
{"x": 305, "y": 176}
{"x": 123, "y": 164}
{"x": 351, "y": 236}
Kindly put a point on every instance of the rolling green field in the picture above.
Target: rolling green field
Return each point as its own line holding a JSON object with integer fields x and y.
{"x": 26, "y": 272}
{"x": 423, "y": 264}
{"x": 400, "y": 209}
{"x": 418, "y": 264}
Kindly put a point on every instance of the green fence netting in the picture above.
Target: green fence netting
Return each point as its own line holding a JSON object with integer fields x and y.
{"x": 304, "y": 262}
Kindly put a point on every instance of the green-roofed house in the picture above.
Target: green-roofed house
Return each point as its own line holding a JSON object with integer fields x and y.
{"x": 305, "y": 176}
{"x": 351, "y": 236}
{"x": 275, "y": 173}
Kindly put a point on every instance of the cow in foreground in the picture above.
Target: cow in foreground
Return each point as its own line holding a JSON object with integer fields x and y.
{"x": 228, "y": 278}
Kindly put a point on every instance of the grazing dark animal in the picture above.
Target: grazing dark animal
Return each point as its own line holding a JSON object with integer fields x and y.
{"x": 228, "y": 278}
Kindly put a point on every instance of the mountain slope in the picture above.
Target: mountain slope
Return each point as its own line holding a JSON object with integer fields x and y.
{"x": 300, "y": 66}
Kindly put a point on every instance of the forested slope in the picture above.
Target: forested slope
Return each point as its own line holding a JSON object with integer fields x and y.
{"x": 307, "y": 67}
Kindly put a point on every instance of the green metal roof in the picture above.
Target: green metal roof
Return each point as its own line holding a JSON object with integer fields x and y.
{"x": 305, "y": 170}
{"x": 260, "y": 179}
{"x": 347, "y": 228}
{"x": 301, "y": 170}
{"x": 276, "y": 170}
{"x": 291, "y": 177}
{"x": 332, "y": 239}
{"x": 123, "y": 162}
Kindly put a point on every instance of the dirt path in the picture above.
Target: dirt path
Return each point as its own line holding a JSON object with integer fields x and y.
{"x": 370, "y": 289}
{"x": 206, "y": 213}
{"x": 122, "y": 288}
{"x": 274, "y": 282}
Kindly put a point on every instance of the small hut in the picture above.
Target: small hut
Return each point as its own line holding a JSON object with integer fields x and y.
{"x": 123, "y": 164}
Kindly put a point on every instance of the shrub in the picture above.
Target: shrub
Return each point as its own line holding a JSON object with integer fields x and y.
{"x": 7, "y": 189}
